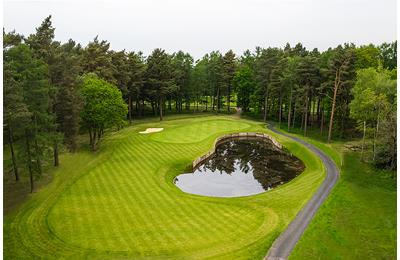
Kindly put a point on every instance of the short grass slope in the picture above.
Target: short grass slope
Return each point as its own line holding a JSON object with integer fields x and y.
{"x": 358, "y": 220}
{"x": 120, "y": 202}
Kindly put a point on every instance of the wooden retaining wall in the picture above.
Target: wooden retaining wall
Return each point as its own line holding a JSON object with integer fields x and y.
{"x": 233, "y": 136}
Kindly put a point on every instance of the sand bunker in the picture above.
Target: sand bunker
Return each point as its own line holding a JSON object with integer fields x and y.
{"x": 151, "y": 130}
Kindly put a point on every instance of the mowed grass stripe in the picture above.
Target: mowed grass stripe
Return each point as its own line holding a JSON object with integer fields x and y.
{"x": 131, "y": 209}
{"x": 142, "y": 190}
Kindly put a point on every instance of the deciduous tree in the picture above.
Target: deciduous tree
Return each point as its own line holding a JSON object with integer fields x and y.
{"x": 103, "y": 107}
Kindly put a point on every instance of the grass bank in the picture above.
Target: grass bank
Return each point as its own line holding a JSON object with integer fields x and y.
{"x": 358, "y": 220}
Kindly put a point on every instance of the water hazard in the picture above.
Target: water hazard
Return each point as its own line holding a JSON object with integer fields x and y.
{"x": 241, "y": 167}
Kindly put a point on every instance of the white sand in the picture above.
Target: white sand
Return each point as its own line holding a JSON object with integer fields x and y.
{"x": 151, "y": 130}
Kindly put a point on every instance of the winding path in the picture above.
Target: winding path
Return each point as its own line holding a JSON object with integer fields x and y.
{"x": 284, "y": 244}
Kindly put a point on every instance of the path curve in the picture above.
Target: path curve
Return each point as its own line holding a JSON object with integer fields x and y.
{"x": 287, "y": 240}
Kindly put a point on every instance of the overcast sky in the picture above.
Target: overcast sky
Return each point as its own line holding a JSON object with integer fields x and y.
{"x": 200, "y": 26}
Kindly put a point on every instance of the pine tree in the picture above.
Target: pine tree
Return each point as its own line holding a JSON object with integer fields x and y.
{"x": 215, "y": 78}
{"x": 136, "y": 69}
{"x": 15, "y": 111}
{"x": 68, "y": 101}
{"x": 388, "y": 55}
{"x": 267, "y": 60}
{"x": 308, "y": 72}
{"x": 341, "y": 73}
{"x": 119, "y": 60}
{"x": 229, "y": 67}
{"x": 183, "y": 65}
{"x": 97, "y": 59}
{"x": 44, "y": 48}
{"x": 160, "y": 77}
{"x": 31, "y": 75}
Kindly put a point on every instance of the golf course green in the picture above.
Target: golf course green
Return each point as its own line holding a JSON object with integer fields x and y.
{"x": 120, "y": 202}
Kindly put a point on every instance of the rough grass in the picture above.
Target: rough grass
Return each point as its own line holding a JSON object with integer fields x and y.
{"x": 358, "y": 220}
{"x": 120, "y": 201}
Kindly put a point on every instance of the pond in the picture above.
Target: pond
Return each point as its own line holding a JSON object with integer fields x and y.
{"x": 241, "y": 167}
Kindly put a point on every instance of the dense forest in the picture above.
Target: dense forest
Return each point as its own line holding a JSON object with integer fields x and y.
{"x": 54, "y": 92}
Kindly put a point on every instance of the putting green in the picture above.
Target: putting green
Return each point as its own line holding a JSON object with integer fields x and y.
{"x": 121, "y": 202}
{"x": 197, "y": 132}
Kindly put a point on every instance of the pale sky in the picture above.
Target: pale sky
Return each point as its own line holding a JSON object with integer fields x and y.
{"x": 200, "y": 26}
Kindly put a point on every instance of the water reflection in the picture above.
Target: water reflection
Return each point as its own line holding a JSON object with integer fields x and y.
{"x": 241, "y": 167}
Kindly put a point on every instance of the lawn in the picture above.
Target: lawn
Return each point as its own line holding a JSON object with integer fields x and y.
{"x": 358, "y": 220}
{"x": 120, "y": 201}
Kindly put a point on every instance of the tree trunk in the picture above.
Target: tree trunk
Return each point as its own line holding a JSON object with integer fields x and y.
{"x": 28, "y": 153}
{"x": 218, "y": 100}
{"x": 265, "y": 106}
{"x": 229, "y": 98}
{"x": 14, "y": 161}
{"x": 322, "y": 120}
{"x": 55, "y": 154}
{"x": 160, "y": 105}
{"x": 152, "y": 107}
{"x": 130, "y": 109}
{"x": 289, "y": 110}
{"x": 90, "y": 136}
{"x": 363, "y": 142}
{"x": 302, "y": 121}
{"x": 94, "y": 140}
{"x": 393, "y": 159}
{"x": 141, "y": 108}
{"x": 137, "y": 106}
{"x": 337, "y": 82}
{"x": 280, "y": 109}
{"x": 306, "y": 116}
{"x": 38, "y": 161}
{"x": 99, "y": 135}
{"x": 213, "y": 103}
{"x": 318, "y": 111}
{"x": 376, "y": 135}
{"x": 294, "y": 114}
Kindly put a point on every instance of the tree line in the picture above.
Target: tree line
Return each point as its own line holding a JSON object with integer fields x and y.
{"x": 54, "y": 91}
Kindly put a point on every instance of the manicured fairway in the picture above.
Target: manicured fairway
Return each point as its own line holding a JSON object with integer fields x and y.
{"x": 120, "y": 201}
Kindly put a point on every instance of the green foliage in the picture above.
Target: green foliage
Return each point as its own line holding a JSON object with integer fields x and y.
{"x": 388, "y": 54}
{"x": 42, "y": 41}
{"x": 68, "y": 104}
{"x": 96, "y": 59}
{"x": 215, "y": 74}
{"x": 199, "y": 80}
{"x": 103, "y": 106}
{"x": 120, "y": 70}
{"x": 11, "y": 39}
{"x": 375, "y": 103}
{"x": 244, "y": 85}
{"x": 136, "y": 68}
{"x": 229, "y": 67}
{"x": 182, "y": 67}
{"x": 367, "y": 56}
{"x": 28, "y": 78}
{"x": 160, "y": 77}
